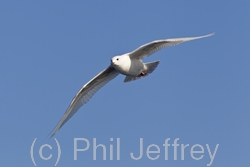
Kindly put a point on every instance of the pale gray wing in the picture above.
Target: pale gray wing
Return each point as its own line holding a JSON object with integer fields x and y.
{"x": 152, "y": 47}
{"x": 85, "y": 93}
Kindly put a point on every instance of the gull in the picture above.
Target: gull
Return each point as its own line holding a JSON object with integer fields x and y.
{"x": 129, "y": 64}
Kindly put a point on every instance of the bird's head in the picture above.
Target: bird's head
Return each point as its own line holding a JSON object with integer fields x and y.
{"x": 117, "y": 60}
{"x": 121, "y": 63}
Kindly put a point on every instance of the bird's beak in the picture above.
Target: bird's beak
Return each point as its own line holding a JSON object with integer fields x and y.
{"x": 111, "y": 62}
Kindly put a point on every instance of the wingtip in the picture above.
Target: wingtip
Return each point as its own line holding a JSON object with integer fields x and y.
{"x": 50, "y": 135}
{"x": 211, "y": 34}
{"x": 204, "y": 36}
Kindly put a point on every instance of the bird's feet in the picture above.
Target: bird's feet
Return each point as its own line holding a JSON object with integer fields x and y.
{"x": 143, "y": 73}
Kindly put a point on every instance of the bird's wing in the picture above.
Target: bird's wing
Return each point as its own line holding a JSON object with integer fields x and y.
{"x": 152, "y": 47}
{"x": 85, "y": 93}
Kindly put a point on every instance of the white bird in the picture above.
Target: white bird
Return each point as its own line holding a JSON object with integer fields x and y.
{"x": 128, "y": 64}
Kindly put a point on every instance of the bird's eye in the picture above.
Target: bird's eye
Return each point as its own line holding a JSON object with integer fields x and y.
{"x": 117, "y": 59}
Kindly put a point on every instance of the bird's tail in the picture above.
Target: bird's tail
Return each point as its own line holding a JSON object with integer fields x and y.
{"x": 151, "y": 66}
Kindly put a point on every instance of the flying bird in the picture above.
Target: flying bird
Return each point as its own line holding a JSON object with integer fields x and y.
{"x": 129, "y": 64}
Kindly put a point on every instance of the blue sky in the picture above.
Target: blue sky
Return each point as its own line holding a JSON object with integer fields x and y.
{"x": 198, "y": 94}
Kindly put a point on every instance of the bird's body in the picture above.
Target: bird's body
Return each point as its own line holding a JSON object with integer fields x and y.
{"x": 129, "y": 64}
